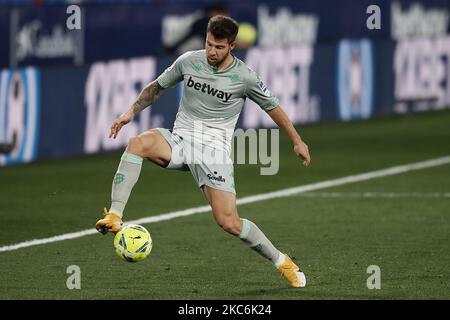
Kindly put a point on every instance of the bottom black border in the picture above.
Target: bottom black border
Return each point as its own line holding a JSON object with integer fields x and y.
{"x": 224, "y": 309}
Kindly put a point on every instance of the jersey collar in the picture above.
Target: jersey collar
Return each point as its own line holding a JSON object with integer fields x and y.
{"x": 231, "y": 66}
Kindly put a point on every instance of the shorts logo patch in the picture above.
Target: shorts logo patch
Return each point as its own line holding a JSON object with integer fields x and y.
{"x": 215, "y": 177}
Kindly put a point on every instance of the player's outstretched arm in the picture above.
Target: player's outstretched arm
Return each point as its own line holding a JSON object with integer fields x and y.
{"x": 148, "y": 96}
{"x": 281, "y": 119}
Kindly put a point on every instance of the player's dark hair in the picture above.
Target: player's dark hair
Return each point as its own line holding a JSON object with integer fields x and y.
{"x": 223, "y": 27}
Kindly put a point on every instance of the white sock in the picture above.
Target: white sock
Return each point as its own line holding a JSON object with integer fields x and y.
{"x": 257, "y": 241}
{"x": 124, "y": 180}
{"x": 281, "y": 259}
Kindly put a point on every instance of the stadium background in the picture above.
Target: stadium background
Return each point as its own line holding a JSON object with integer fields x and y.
{"x": 68, "y": 94}
{"x": 361, "y": 97}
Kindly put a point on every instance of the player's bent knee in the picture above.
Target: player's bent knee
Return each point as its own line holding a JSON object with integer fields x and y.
{"x": 135, "y": 146}
{"x": 142, "y": 145}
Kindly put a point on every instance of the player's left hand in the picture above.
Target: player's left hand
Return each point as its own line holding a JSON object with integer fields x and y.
{"x": 301, "y": 150}
{"x": 119, "y": 123}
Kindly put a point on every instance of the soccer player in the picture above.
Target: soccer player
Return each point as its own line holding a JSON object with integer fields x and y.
{"x": 216, "y": 84}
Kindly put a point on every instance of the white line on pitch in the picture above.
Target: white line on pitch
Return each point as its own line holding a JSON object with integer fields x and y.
{"x": 371, "y": 194}
{"x": 246, "y": 200}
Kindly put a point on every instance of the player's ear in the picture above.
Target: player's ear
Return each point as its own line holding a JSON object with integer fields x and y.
{"x": 232, "y": 45}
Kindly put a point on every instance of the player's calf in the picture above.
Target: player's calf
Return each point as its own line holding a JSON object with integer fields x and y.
{"x": 230, "y": 225}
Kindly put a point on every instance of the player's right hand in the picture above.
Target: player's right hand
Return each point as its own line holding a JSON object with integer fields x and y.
{"x": 301, "y": 150}
{"x": 119, "y": 123}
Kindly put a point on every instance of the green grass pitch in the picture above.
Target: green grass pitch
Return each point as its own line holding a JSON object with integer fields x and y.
{"x": 333, "y": 238}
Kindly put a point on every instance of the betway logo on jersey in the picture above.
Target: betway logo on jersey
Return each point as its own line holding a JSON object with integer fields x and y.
{"x": 206, "y": 88}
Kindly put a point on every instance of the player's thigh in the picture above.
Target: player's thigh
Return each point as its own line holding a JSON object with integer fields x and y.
{"x": 154, "y": 147}
{"x": 223, "y": 205}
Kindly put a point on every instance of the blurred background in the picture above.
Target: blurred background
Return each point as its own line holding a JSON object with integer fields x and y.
{"x": 68, "y": 68}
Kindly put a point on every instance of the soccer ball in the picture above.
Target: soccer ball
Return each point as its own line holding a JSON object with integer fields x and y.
{"x": 133, "y": 243}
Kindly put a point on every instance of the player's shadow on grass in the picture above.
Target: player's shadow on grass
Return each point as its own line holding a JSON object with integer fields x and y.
{"x": 269, "y": 291}
{"x": 313, "y": 293}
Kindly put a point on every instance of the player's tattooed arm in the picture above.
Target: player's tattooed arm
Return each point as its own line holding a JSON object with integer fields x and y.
{"x": 148, "y": 96}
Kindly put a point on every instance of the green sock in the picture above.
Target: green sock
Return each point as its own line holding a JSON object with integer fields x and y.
{"x": 257, "y": 241}
{"x": 124, "y": 180}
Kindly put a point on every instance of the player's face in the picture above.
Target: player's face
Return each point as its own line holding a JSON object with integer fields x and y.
{"x": 217, "y": 50}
